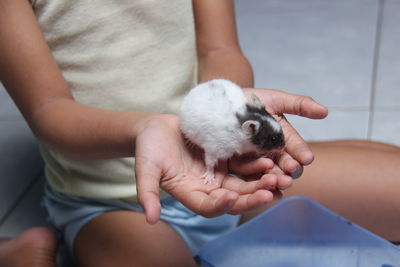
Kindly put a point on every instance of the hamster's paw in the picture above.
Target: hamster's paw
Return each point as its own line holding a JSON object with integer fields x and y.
{"x": 208, "y": 177}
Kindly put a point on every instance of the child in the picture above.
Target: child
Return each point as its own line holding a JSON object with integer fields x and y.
{"x": 99, "y": 82}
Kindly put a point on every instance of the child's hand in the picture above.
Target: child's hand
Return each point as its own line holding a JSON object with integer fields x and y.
{"x": 163, "y": 159}
{"x": 296, "y": 153}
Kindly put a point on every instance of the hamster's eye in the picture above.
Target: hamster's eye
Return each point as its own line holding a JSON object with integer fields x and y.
{"x": 274, "y": 139}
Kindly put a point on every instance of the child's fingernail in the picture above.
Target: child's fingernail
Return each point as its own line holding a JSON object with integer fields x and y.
{"x": 297, "y": 173}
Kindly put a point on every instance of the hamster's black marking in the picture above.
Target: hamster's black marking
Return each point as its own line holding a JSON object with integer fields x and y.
{"x": 267, "y": 137}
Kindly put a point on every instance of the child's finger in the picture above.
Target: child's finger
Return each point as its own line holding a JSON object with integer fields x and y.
{"x": 236, "y": 184}
{"x": 284, "y": 181}
{"x": 282, "y": 102}
{"x": 289, "y": 165}
{"x": 295, "y": 144}
{"x": 148, "y": 187}
{"x": 249, "y": 165}
{"x": 250, "y": 202}
{"x": 219, "y": 202}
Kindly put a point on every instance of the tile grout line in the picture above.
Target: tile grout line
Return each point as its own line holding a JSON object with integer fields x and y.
{"x": 20, "y": 197}
{"x": 375, "y": 63}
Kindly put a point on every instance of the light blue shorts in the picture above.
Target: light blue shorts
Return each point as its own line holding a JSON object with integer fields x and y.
{"x": 70, "y": 213}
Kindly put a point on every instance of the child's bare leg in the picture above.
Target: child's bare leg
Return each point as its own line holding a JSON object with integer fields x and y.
{"x": 35, "y": 247}
{"x": 124, "y": 238}
{"x": 361, "y": 143}
{"x": 359, "y": 180}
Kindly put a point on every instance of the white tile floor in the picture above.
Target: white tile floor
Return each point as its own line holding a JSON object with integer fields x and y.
{"x": 344, "y": 53}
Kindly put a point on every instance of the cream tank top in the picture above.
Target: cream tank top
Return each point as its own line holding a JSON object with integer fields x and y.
{"x": 121, "y": 55}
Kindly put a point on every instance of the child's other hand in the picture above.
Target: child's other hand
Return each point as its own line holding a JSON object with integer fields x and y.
{"x": 296, "y": 153}
{"x": 163, "y": 159}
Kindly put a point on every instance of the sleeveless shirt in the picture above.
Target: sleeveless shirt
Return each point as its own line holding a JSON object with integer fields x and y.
{"x": 121, "y": 55}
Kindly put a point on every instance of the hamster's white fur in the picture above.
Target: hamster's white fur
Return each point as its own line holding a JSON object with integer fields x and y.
{"x": 208, "y": 119}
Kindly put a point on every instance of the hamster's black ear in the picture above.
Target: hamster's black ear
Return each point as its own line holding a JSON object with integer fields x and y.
{"x": 251, "y": 127}
{"x": 257, "y": 102}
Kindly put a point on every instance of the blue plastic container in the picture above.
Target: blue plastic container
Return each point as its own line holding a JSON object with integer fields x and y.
{"x": 300, "y": 232}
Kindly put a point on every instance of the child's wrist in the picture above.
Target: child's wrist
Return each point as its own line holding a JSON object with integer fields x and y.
{"x": 154, "y": 120}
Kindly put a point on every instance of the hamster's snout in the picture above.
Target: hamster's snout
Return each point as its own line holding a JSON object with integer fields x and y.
{"x": 269, "y": 141}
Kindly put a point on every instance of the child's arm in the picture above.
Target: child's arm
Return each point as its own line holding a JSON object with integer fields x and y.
{"x": 218, "y": 50}
{"x": 32, "y": 78}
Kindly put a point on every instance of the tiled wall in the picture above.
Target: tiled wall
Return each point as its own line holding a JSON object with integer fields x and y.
{"x": 20, "y": 170}
{"x": 343, "y": 53}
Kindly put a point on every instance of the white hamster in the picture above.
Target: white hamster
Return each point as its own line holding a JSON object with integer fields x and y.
{"x": 216, "y": 116}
